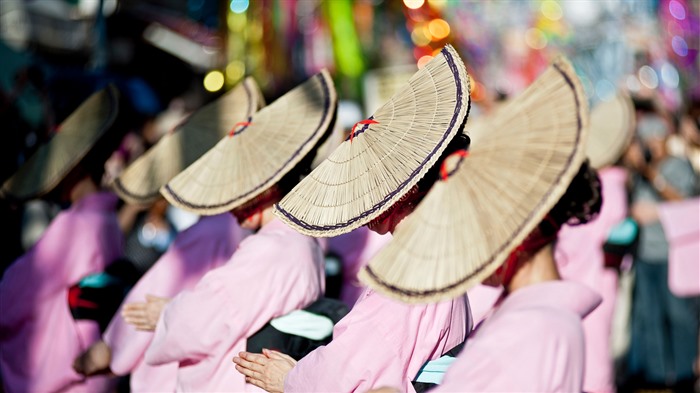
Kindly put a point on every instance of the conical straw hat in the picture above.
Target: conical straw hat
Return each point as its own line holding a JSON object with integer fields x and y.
{"x": 366, "y": 175}
{"x": 611, "y": 130}
{"x": 520, "y": 162}
{"x": 259, "y": 153}
{"x": 54, "y": 160}
{"x": 142, "y": 180}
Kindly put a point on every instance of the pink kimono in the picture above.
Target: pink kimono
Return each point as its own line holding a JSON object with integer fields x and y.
{"x": 39, "y": 339}
{"x": 533, "y": 342}
{"x": 355, "y": 249}
{"x": 272, "y": 273}
{"x": 579, "y": 256}
{"x": 381, "y": 342}
{"x": 681, "y": 223}
{"x": 202, "y": 247}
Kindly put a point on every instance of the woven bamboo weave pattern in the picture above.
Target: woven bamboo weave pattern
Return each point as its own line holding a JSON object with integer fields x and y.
{"x": 521, "y": 160}
{"x": 611, "y": 130}
{"x": 74, "y": 139}
{"x": 366, "y": 175}
{"x": 259, "y": 153}
{"x": 141, "y": 181}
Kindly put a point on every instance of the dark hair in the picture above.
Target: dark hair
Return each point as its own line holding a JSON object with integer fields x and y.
{"x": 580, "y": 203}
{"x": 461, "y": 141}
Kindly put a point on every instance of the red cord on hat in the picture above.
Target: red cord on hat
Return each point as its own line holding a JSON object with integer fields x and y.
{"x": 367, "y": 121}
{"x": 240, "y": 123}
{"x": 443, "y": 170}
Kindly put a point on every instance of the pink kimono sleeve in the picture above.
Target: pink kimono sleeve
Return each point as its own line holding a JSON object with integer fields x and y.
{"x": 535, "y": 351}
{"x": 681, "y": 223}
{"x": 57, "y": 262}
{"x": 229, "y": 304}
{"x": 361, "y": 356}
{"x": 202, "y": 247}
{"x": 381, "y": 342}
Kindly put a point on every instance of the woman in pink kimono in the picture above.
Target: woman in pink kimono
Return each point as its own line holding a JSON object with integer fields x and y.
{"x": 579, "y": 249}
{"x": 381, "y": 341}
{"x": 354, "y": 250}
{"x": 681, "y": 222}
{"x": 206, "y": 245}
{"x": 579, "y": 255}
{"x": 39, "y": 338}
{"x": 530, "y": 154}
{"x": 533, "y": 339}
{"x": 273, "y": 272}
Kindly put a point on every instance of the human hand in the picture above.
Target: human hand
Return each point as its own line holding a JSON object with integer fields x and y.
{"x": 267, "y": 370}
{"x": 144, "y": 316}
{"x": 94, "y": 361}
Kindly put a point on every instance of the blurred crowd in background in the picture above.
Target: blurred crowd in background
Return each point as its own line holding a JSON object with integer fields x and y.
{"x": 170, "y": 57}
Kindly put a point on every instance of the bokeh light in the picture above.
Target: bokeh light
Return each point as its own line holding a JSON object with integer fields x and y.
{"x": 421, "y": 36}
{"x": 439, "y": 29}
{"x": 605, "y": 90}
{"x": 648, "y": 77}
{"x": 239, "y": 6}
{"x": 670, "y": 76}
{"x": 676, "y": 9}
{"x": 679, "y": 46}
{"x": 437, "y": 4}
{"x": 214, "y": 81}
{"x": 235, "y": 71}
{"x": 551, "y": 10}
{"x": 423, "y": 61}
{"x": 414, "y": 4}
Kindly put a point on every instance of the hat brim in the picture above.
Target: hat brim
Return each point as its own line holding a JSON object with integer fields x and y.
{"x": 259, "y": 154}
{"x": 367, "y": 174}
{"x": 611, "y": 130}
{"x": 520, "y": 162}
{"x": 140, "y": 183}
{"x": 54, "y": 160}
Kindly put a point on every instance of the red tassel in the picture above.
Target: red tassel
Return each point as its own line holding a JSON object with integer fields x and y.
{"x": 368, "y": 121}
{"x": 443, "y": 170}
{"x": 240, "y": 123}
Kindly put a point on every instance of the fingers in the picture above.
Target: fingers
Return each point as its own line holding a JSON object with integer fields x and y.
{"x": 248, "y": 365}
{"x": 135, "y": 319}
{"x": 256, "y": 382}
{"x": 254, "y": 357}
{"x": 248, "y": 373}
{"x": 145, "y": 328}
{"x": 272, "y": 354}
{"x": 134, "y": 309}
{"x": 156, "y": 299}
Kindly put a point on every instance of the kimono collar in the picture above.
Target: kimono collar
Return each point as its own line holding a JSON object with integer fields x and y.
{"x": 568, "y": 295}
{"x": 99, "y": 201}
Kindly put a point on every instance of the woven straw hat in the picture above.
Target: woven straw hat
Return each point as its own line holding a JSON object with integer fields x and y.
{"x": 54, "y": 160}
{"x": 141, "y": 181}
{"x": 611, "y": 130}
{"x": 259, "y": 153}
{"x": 520, "y": 162}
{"x": 367, "y": 174}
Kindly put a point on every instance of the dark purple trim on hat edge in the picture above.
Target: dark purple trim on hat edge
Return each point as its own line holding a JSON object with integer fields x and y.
{"x": 413, "y": 293}
{"x": 326, "y": 107}
{"x": 361, "y": 130}
{"x": 146, "y": 197}
{"x": 380, "y": 204}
